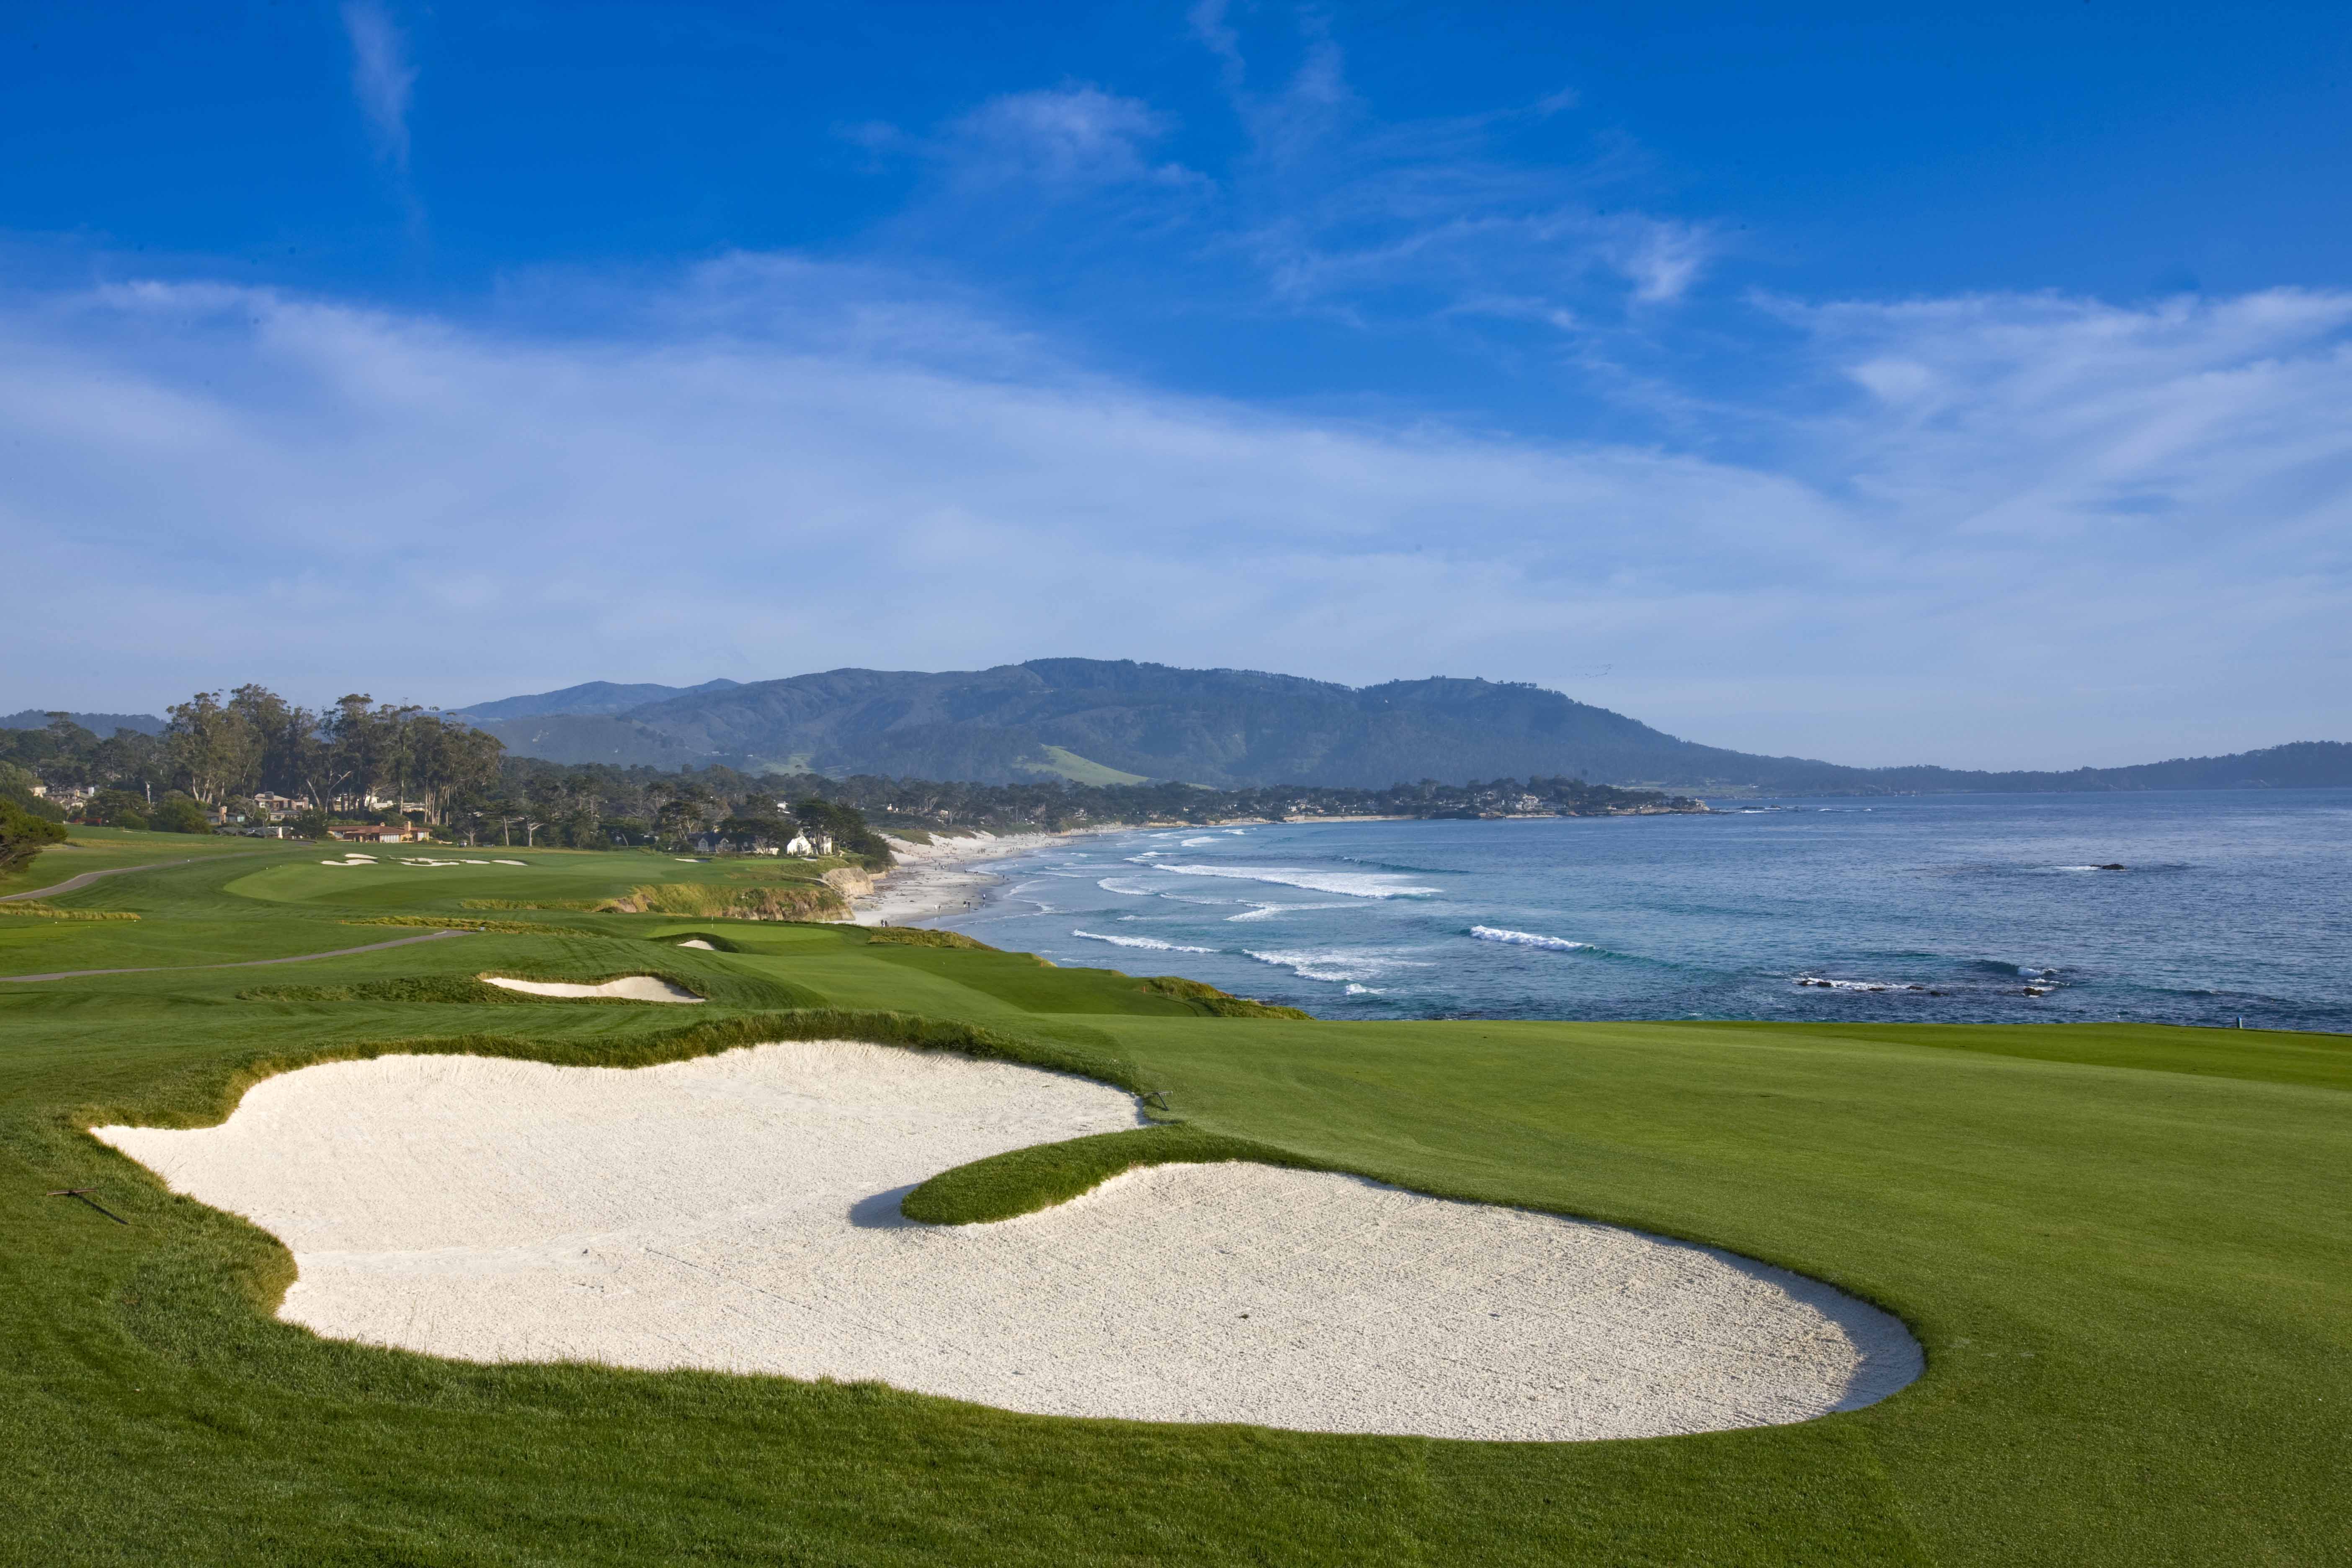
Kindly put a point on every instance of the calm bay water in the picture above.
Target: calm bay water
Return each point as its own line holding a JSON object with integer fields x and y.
{"x": 1934, "y": 909}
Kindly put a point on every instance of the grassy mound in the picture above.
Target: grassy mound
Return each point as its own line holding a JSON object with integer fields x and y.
{"x": 716, "y": 901}
{"x": 920, "y": 936}
{"x": 1218, "y": 1003}
{"x": 1023, "y": 1180}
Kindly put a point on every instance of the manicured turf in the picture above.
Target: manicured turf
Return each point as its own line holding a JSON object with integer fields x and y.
{"x": 2127, "y": 1250}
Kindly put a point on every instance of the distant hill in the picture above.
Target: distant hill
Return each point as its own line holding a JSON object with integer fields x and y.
{"x": 1089, "y": 720}
{"x": 592, "y": 697}
{"x": 99, "y": 724}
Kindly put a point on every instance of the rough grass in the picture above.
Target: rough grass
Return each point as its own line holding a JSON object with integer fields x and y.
{"x": 454, "y": 922}
{"x": 1219, "y": 1004}
{"x": 2127, "y": 1250}
{"x": 708, "y": 900}
{"x": 922, "y": 936}
{"x": 39, "y": 909}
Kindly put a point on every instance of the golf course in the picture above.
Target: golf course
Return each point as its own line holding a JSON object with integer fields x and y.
{"x": 2124, "y": 1252}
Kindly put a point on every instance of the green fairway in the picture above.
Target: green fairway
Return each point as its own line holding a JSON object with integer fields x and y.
{"x": 2126, "y": 1249}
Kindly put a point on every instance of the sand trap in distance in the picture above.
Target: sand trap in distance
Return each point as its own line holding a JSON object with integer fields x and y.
{"x": 629, "y": 988}
{"x": 698, "y": 941}
{"x": 740, "y": 1213}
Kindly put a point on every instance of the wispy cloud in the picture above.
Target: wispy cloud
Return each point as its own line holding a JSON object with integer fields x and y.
{"x": 381, "y": 76}
{"x": 1073, "y": 137}
{"x": 1999, "y": 530}
{"x": 1338, "y": 205}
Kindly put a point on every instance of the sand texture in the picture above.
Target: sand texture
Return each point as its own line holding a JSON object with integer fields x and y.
{"x": 947, "y": 875}
{"x": 629, "y": 988}
{"x": 740, "y": 1213}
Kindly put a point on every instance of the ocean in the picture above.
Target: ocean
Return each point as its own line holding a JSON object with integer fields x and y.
{"x": 2228, "y": 905}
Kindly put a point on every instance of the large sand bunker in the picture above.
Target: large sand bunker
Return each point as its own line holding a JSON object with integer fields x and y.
{"x": 629, "y": 988}
{"x": 740, "y": 1213}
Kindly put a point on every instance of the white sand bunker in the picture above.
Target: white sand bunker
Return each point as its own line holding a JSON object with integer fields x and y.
{"x": 629, "y": 988}
{"x": 740, "y": 1213}
{"x": 698, "y": 941}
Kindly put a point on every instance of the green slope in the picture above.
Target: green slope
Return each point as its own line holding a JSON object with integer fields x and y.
{"x": 2128, "y": 1252}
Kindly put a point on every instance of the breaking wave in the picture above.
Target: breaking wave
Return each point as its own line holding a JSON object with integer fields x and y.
{"x": 1153, "y": 942}
{"x": 1527, "y": 939}
{"x": 1335, "y": 964}
{"x": 1354, "y": 884}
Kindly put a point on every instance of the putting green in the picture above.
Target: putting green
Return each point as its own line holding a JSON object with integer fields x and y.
{"x": 2128, "y": 1251}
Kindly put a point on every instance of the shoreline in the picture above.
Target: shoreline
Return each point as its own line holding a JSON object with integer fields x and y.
{"x": 948, "y": 875}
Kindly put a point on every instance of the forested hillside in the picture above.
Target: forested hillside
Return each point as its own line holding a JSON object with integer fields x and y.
{"x": 1090, "y": 721}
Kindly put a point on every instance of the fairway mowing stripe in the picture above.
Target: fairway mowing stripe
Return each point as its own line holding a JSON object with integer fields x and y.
{"x": 87, "y": 878}
{"x": 242, "y": 963}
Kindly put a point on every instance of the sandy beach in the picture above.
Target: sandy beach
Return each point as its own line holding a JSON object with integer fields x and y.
{"x": 946, "y": 876}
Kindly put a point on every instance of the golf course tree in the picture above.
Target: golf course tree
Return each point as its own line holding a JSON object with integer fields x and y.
{"x": 177, "y": 813}
{"x": 24, "y": 835}
{"x": 118, "y": 808}
{"x": 338, "y": 758}
{"x": 212, "y": 750}
{"x": 63, "y": 755}
{"x": 851, "y": 832}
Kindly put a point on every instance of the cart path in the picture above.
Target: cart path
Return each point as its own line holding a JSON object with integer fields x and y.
{"x": 242, "y": 963}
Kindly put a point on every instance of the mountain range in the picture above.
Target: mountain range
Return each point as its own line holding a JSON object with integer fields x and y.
{"x": 590, "y": 698}
{"x": 99, "y": 724}
{"x": 1112, "y": 721}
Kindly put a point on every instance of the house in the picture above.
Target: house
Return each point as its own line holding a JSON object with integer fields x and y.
{"x": 278, "y": 807}
{"x": 368, "y": 833}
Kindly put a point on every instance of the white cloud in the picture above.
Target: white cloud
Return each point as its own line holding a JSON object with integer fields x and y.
{"x": 2069, "y": 533}
{"x": 381, "y": 76}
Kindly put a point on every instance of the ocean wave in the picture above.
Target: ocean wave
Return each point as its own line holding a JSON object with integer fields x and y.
{"x": 1153, "y": 942}
{"x": 1113, "y": 885}
{"x": 1335, "y": 965}
{"x": 1194, "y": 843}
{"x": 1354, "y": 884}
{"x": 1267, "y": 911}
{"x": 1354, "y": 990}
{"x": 1527, "y": 939}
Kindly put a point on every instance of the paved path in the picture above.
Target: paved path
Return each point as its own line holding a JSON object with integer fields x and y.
{"x": 242, "y": 963}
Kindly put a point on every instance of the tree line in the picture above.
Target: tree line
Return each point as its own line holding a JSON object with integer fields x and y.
{"x": 355, "y": 758}
{"x": 362, "y": 759}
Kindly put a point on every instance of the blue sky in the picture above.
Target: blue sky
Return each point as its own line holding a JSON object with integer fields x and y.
{"x": 1967, "y": 389}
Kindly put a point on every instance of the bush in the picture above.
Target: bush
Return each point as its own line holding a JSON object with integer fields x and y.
{"x": 178, "y": 814}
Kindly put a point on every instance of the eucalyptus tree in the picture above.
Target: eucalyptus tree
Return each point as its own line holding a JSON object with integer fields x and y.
{"x": 212, "y": 749}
